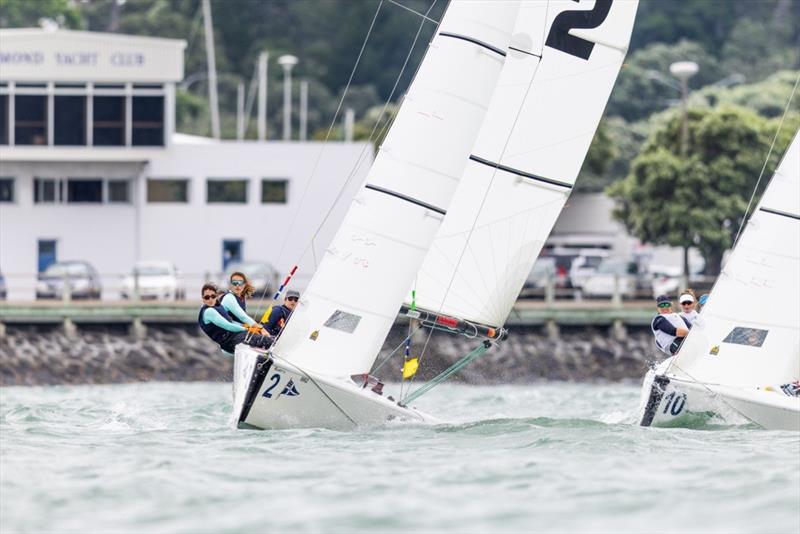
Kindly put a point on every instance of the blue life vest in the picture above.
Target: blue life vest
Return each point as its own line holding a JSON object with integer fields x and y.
{"x": 220, "y": 336}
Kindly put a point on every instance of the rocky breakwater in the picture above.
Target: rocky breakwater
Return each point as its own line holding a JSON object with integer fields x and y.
{"x": 109, "y": 354}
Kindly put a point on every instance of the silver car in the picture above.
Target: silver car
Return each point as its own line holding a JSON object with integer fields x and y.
{"x": 78, "y": 278}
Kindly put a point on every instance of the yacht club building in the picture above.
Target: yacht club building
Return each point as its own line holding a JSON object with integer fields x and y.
{"x": 91, "y": 168}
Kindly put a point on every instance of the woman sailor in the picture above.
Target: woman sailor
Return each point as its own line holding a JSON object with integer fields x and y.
{"x": 235, "y": 300}
{"x": 669, "y": 328}
{"x": 217, "y": 324}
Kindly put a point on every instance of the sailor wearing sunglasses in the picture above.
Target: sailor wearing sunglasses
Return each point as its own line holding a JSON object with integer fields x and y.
{"x": 217, "y": 324}
{"x": 275, "y": 318}
{"x": 668, "y": 327}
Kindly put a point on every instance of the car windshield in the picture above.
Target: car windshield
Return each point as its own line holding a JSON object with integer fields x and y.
{"x": 250, "y": 269}
{"x": 152, "y": 270}
{"x": 61, "y": 269}
{"x": 613, "y": 267}
{"x": 592, "y": 261}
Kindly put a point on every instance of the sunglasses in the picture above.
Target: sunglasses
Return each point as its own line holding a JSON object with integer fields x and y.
{"x": 206, "y": 297}
{"x": 293, "y": 299}
{"x": 237, "y": 283}
{"x": 686, "y": 303}
{"x": 665, "y": 305}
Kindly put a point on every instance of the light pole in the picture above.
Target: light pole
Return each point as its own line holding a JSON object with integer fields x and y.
{"x": 683, "y": 70}
{"x": 287, "y": 62}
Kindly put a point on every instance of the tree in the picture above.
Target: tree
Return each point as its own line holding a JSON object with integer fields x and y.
{"x": 643, "y": 84}
{"x": 698, "y": 200}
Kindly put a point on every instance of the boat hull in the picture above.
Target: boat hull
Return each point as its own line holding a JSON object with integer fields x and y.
{"x": 270, "y": 393}
{"x": 668, "y": 401}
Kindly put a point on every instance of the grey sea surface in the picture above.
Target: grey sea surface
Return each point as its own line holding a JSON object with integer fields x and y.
{"x": 553, "y": 457}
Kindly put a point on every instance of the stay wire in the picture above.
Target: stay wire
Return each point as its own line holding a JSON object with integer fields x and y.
{"x": 372, "y": 137}
{"x": 324, "y": 143}
{"x": 766, "y": 161}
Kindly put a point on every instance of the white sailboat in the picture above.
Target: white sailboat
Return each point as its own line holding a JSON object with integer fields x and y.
{"x": 742, "y": 355}
{"x": 436, "y": 186}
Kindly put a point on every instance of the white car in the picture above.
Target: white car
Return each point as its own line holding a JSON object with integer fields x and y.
{"x": 585, "y": 265}
{"x": 612, "y": 276}
{"x": 157, "y": 280}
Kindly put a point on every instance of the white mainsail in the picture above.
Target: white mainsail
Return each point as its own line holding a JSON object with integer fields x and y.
{"x": 353, "y": 298}
{"x": 561, "y": 67}
{"x": 748, "y": 333}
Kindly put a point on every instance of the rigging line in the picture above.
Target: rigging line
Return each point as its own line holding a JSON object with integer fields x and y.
{"x": 324, "y": 143}
{"x": 485, "y": 195}
{"x": 769, "y": 153}
{"x": 251, "y": 98}
{"x": 371, "y": 136}
{"x": 386, "y": 359}
{"x": 195, "y": 27}
{"x": 417, "y": 13}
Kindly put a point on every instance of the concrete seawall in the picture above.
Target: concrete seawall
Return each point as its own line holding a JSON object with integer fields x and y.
{"x": 110, "y": 353}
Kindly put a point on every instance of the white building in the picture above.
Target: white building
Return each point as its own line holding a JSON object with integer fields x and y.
{"x": 91, "y": 168}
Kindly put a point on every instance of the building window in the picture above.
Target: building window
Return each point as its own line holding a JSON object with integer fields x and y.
{"x": 30, "y": 116}
{"x": 47, "y": 253}
{"x": 3, "y": 119}
{"x": 47, "y": 190}
{"x": 6, "y": 190}
{"x": 168, "y": 190}
{"x": 226, "y": 191}
{"x": 148, "y": 121}
{"x": 274, "y": 191}
{"x": 109, "y": 121}
{"x": 119, "y": 191}
{"x": 84, "y": 190}
{"x": 69, "y": 120}
{"x": 231, "y": 252}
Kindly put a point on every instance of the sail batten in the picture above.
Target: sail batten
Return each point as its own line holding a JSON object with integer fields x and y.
{"x": 549, "y": 100}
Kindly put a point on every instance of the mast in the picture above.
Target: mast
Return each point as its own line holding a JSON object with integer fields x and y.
{"x": 353, "y": 299}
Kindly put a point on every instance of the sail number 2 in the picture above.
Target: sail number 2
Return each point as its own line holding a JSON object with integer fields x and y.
{"x": 275, "y": 379}
{"x": 559, "y": 37}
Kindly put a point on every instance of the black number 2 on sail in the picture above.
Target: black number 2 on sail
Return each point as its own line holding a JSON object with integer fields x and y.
{"x": 559, "y": 37}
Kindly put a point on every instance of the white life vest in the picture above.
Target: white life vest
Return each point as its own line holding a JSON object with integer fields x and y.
{"x": 691, "y": 316}
{"x": 662, "y": 339}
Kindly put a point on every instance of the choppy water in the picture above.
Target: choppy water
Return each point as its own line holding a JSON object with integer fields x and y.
{"x": 549, "y": 458}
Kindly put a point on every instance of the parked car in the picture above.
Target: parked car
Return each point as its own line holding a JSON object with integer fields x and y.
{"x": 613, "y": 275}
{"x": 584, "y": 265}
{"x": 3, "y": 290}
{"x": 668, "y": 280}
{"x": 542, "y": 273}
{"x": 260, "y": 274}
{"x": 157, "y": 280}
{"x": 81, "y": 278}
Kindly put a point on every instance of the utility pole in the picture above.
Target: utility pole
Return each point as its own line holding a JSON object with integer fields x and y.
{"x": 303, "y": 110}
{"x": 287, "y": 62}
{"x": 240, "y": 111}
{"x": 263, "y": 59}
{"x": 212, "y": 69}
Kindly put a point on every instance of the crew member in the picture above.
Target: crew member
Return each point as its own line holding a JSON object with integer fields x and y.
{"x": 235, "y": 300}
{"x": 216, "y": 323}
{"x": 688, "y": 306}
{"x": 275, "y": 318}
{"x": 669, "y": 328}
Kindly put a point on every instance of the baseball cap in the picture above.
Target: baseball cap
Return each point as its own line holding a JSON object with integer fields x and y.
{"x": 663, "y": 300}
{"x": 292, "y": 293}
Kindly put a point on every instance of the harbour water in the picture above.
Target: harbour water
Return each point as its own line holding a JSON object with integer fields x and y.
{"x": 555, "y": 457}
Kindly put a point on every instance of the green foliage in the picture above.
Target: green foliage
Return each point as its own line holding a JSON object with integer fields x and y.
{"x": 756, "y": 51}
{"x": 27, "y": 13}
{"x": 698, "y": 199}
{"x": 645, "y": 84}
{"x": 767, "y": 97}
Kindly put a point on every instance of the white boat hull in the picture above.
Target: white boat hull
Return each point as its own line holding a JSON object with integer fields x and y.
{"x": 674, "y": 402}
{"x": 270, "y": 393}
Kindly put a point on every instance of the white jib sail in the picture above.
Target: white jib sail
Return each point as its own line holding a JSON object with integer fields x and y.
{"x": 561, "y": 67}
{"x": 748, "y": 333}
{"x": 351, "y": 302}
